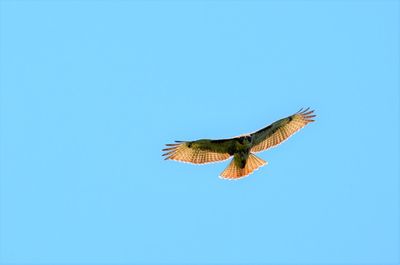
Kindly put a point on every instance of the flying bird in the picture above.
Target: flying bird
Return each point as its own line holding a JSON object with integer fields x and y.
{"x": 241, "y": 148}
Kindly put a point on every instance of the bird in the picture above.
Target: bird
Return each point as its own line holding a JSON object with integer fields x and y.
{"x": 241, "y": 148}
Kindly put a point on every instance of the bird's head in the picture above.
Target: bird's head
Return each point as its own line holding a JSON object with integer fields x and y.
{"x": 249, "y": 139}
{"x": 246, "y": 139}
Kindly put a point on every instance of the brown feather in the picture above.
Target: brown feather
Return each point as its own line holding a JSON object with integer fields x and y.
{"x": 282, "y": 133}
{"x": 183, "y": 153}
{"x": 233, "y": 172}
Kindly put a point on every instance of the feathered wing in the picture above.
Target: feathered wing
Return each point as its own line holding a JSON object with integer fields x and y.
{"x": 279, "y": 131}
{"x": 200, "y": 151}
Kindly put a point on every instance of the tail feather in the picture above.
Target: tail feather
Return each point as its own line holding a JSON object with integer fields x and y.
{"x": 234, "y": 172}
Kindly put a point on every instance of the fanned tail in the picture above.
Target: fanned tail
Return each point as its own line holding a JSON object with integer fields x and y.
{"x": 234, "y": 172}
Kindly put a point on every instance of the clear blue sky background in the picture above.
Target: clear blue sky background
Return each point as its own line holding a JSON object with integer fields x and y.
{"x": 91, "y": 90}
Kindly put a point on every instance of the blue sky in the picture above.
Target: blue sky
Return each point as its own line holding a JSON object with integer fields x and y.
{"x": 92, "y": 90}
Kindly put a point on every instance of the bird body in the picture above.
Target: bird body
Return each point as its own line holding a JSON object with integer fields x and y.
{"x": 242, "y": 147}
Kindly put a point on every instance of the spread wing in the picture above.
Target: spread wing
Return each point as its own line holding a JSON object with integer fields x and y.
{"x": 279, "y": 131}
{"x": 200, "y": 151}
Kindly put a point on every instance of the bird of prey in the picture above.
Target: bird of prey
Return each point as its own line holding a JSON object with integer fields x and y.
{"x": 242, "y": 147}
